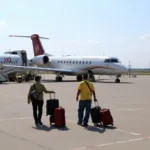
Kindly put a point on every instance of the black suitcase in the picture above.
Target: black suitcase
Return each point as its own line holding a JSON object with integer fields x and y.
{"x": 95, "y": 115}
{"x": 51, "y": 104}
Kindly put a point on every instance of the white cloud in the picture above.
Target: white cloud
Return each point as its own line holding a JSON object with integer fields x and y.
{"x": 145, "y": 36}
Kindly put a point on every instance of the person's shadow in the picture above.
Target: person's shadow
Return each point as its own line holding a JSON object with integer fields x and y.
{"x": 99, "y": 128}
{"x": 95, "y": 129}
{"x": 46, "y": 128}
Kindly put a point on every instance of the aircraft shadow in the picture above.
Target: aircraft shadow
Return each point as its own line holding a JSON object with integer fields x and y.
{"x": 46, "y": 128}
{"x": 65, "y": 81}
{"x": 114, "y": 82}
{"x": 97, "y": 81}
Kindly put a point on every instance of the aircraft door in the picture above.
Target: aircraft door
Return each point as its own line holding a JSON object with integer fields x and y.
{"x": 24, "y": 58}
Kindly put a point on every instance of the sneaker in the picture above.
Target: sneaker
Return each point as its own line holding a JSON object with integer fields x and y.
{"x": 79, "y": 123}
{"x": 40, "y": 123}
{"x": 36, "y": 123}
{"x": 85, "y": 125}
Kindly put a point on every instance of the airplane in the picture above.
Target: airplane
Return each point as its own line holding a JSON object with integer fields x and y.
{"x": 8, "y": 59}
{"x": 16, "y": 58}
{"x": 72, "y": 65}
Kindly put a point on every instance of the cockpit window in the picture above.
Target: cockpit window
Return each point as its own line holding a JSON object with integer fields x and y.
{"x": 112, "y": 60}
{"x": 15, "y": 53}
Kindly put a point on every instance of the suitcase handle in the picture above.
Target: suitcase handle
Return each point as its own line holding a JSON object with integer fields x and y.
{"x": 97, "y": 104}
{"x": 50, "y": 95}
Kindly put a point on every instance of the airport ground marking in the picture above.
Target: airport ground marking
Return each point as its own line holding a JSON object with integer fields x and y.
{"x": 130, "y": 109}
{"x": 10, "y": 119}
{"x": 119, "y": 130}
{"x": 111, "y": 143}
{"x": 73, "y": 121}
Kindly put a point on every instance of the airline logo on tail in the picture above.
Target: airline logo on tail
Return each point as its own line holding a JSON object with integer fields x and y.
{"x": 37, "y": 45}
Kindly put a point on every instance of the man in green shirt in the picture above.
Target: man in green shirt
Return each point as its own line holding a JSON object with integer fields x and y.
{"x": 38, "y": 103}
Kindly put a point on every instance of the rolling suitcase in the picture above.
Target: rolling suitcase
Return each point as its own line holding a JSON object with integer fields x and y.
{"x": 51, "y": 104}
{"x": 106, "y": 117}
{"x": 95, "y": 115}
{"x": 59, "y": 117}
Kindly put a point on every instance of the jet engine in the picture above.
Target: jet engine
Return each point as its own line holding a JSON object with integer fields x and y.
{"x": 40, "y": 60}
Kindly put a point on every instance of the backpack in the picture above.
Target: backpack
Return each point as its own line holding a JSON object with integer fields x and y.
{"x": 34, "y": 94}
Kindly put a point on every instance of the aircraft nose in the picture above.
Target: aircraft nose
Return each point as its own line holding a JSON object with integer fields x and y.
{"x": 123, "y": 68}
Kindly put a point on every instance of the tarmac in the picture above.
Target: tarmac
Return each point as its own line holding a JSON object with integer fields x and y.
{"x": 129, "y": 102}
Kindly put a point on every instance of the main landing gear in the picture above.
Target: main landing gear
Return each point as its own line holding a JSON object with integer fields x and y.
{"x": 91, "y": 77}
{"x": 79, "y": 78}
{"x": 58, "y": 78}
{"x": 117, "y": 80}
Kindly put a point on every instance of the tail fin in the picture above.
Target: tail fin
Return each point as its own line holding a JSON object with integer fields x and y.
{"x": 37, "y": 45}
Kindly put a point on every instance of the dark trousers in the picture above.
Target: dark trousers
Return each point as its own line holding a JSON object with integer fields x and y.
{"x": 84, "y": 104}
{"x": 37, "y": 105}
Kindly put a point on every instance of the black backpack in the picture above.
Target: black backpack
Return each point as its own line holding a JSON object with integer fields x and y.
{"x": 34, "y": 94}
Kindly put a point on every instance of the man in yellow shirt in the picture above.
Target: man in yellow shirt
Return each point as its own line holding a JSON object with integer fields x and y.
{"x": 38, "y": 103}
{"x": 85, "y": 90}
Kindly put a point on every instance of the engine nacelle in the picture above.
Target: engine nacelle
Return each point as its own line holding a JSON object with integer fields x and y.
{"x": 40, "y": 60}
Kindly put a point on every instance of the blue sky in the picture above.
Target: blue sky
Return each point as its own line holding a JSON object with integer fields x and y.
{"x": 118, "y": 28}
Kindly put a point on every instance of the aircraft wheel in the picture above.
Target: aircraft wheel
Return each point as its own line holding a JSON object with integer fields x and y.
{"x": 19, "y": 80}
{"x": 117, "y": 80}
{"x": 79, "y": 78}
{"x": 58, "y": 78}
{"x": 27, "y": 79}
{"x": 29, "y": 76}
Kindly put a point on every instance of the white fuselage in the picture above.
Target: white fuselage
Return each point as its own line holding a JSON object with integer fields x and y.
{"x": 8, "y": 59}
{"x": 80, "y": 64}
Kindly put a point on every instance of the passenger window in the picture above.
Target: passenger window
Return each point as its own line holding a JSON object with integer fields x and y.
{"x": 90, "y": 62}
{"x": 76, "y": 62}
{"x": 86, "y": 62}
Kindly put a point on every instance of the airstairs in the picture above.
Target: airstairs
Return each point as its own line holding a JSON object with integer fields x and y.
{"x": 4, "y": 73}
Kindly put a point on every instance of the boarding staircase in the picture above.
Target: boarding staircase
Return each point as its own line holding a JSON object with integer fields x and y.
{"x": 5, "y": 71}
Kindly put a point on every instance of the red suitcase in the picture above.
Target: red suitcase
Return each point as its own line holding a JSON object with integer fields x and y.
{"x": 106, "y": 117}
{"x": 59, "y": 117}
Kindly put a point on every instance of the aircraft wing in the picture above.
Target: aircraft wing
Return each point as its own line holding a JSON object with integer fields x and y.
{"x": 37, "y": 69}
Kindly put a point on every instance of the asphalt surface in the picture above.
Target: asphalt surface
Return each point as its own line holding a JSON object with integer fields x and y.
{"x": 129, "y": 102}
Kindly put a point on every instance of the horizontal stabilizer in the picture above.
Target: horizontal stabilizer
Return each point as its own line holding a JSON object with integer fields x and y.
{"x": 32, "y": 36}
